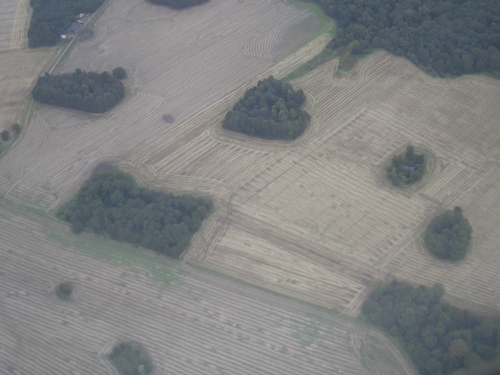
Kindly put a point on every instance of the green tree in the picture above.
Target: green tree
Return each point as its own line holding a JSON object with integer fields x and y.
{"x": 458, "y": 349}
{"x": 5, "y": 135}
{"x": 119, "y": 73}
{"x": 16, "y": 128}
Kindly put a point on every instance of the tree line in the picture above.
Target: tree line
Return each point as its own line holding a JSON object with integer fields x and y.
{"x": 448, "y": 235}
{"x": 110, "y": 203}
{"x": 84, "y": 91}
{"x": 444, "y": 37}
{"x": 51, "y": 18}
{"x": 439, "y": 338}
{"x": 270, "y": 110}
{"x": 179, "y": 4}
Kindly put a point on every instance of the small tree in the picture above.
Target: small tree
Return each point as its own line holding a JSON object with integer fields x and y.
{"x": 64, "y": 291}
{"x": 5, "y": 135}
{"x": 409, "y": 150}
{"x": 16, "y": 128}
{"x": 119, "y": 73}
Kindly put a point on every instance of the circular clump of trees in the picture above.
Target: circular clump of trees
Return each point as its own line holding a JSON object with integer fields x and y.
{"x": 130, "y": 359}
{"x": 407, "y": 168}
{"x": 448, "y": 235}
{"x": 64, "y": 291}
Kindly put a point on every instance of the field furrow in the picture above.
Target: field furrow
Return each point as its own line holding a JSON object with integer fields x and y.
{"x": 187, "y": 320}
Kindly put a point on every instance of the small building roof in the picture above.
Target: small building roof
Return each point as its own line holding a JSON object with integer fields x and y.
{"x": 74, "y": 28}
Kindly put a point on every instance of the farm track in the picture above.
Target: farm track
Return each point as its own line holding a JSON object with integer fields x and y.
{"x": 314, "y": 218}
{"x": 187, "y": 320}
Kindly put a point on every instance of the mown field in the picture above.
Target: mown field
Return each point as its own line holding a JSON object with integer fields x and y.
{"x": 316, "y": 219}
{"x": 177, "y": 62}
{"x": 190, "y": 322}
{"x": 20, "y": 67}
{"x": 14, "y": 21}
{"x": 313, "y": 219}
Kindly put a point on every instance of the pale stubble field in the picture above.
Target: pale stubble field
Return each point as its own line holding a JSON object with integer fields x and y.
{"x": 20, "y": 66}
{"x": 190, "y": 322}
{"x": 315, "y": 219}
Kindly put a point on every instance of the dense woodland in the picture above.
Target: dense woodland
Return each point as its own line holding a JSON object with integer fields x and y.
{"x": 110, "y": 203}
{"x": 439, "y": 338}
{"x": 448, "y": 235}
{"x": 85, "y": 91}
{"x": 407, "y": 168}
{"x": 130, "y": 359}
{"x": 443, "y": 36}
{"x": 270, "y": 110}
{"x": 179, "y": 4}
{"x": 51, "y": 18}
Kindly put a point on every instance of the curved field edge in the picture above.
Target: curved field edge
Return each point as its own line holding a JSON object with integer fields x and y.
{"x": 181, "y": 311}
{"x": 311, "y": 248}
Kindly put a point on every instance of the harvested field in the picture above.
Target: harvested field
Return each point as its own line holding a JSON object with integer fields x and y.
{"x": 20, "y": 67}
{"x": 177, "y": 62}
{"x": 18, "y": 73}
{"x": 8, "y": 9}
{"x": 190, "y": 322}
{"x": 315, "y": 218}
{"x": 15, "y": 16}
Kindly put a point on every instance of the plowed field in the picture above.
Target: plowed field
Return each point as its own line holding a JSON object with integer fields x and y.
{"x": 189, "y": 321}
{"x": 316, "y": 219}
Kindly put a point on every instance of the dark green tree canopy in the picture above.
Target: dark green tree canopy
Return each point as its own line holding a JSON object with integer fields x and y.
{"x": 270, "y": 110}
{"x": 64, "y": 291}
{"x": 110, "y": 203}
{"x": 5, "y": 135}
{"x": 407, "y": 168}
{"x": 85, "y": 91}
{"x": 439, "y": 338}
{"x": 447, "y": 37}
{"x": 119, "y": 73}
{"x": 448, "y": 235}
{"x": 179, "y": 4}
{"x": 130, "y": 359}
{"x": 51, "y": 18}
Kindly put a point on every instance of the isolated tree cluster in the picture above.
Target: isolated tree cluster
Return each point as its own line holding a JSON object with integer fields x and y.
{"x": 130, "y": 359}
{"x": 111, "y": 203}
{"x": 448, "y": 235}
{"x": 5, "y": 135}
{"x": 446, "y": 37}
{"x": 64, "y": 291}
{"x": 179, "y": 4}
{"x": 270, "y": 110}
{"x": 439, "y": 338}
{"x": 51, "y": 18}
{"x": 407, "y": 168}
{"x": 85, "y": 91}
